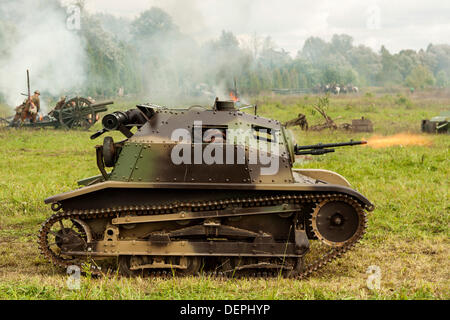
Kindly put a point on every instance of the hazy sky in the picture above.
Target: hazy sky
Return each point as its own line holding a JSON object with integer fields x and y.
{"x": 399, "y": 24}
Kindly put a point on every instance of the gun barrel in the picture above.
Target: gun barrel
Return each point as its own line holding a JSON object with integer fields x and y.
{"x": 101, "y": 104}
{"x": 330, "y": 145}
{"x": 115, "y": 120}
{"x": 122, "y": 121}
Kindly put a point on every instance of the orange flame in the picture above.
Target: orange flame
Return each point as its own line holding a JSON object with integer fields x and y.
{"x": 401, "y": 139}
{"x": 233, "y": 97}
{"x": 41, "y": 117}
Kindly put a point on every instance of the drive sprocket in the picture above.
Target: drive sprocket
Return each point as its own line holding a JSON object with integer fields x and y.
{"x": 338, "y": 222}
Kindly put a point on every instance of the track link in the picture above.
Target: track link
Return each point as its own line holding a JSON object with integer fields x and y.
{"x": 309, "y": 199}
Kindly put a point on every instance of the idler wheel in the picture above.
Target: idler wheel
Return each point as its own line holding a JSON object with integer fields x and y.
{"x": 193, "y": 266}
{"x": 64, "y": 235}
{"x": 109, "y": 152}
{"x": 124, "y": 266}
{"x": 337, "y": 222}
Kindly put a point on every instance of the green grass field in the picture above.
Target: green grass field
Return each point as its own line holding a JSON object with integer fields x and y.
{"x": 408, "y": 234}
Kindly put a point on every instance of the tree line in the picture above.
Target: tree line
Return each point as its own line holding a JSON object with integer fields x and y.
{"x": 150, "y": 55}
{"x": 155, "y": 55}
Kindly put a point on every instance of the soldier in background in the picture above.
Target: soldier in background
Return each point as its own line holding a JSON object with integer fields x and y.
{"x": 19, "y": 110}
{"x": 35, "y": 105}
{"x": 28, "y": 109}
{"x": 59, "y": 105}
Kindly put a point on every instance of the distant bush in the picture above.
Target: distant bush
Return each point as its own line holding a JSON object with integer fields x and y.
{"x": 403, "y": 101}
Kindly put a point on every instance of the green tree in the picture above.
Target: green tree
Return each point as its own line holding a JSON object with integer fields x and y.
{"x": 152, "y": 22}
{"x": 420, "y": 77}
{"x": 314, "y": 50}
{"x": 342, "y": 43}
{"x": 442, "y": 79}
{"x": 330, "y": 75}
{"x": 349, "y": 76}
{"x": 389, "y": 73}
{"x": 111, "y": 63}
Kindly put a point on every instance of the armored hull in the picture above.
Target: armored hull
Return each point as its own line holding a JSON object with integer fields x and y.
{"x": 438, "y": 124}
{"x": 203, "y": 190}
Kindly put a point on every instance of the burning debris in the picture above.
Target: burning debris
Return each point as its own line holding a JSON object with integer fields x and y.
{"x": 233, "y": 97}
{"x": 234, "y": 94}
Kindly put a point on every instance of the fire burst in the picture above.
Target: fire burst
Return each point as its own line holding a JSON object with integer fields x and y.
{"x": 401, "y": 139}
{"x": 233, "y": 97}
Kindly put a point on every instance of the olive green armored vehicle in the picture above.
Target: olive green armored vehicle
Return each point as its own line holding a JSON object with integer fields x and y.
{"x": 204, "y": 190}
{"x": 438, "y": 124}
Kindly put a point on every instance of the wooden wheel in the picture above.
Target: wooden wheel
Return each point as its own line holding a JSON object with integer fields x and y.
{"x": 77, "y": 113}
{"x": 4, "y": 123}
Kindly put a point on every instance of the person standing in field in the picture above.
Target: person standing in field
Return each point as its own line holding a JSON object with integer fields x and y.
{"x": 28, "y": 109}
{"x": 34, "y": 106}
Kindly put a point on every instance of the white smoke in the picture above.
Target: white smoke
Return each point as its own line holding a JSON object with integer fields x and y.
{"x": 42, "y": 43}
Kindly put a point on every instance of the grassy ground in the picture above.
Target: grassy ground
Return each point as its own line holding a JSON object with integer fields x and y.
{"x": 408, "y": 234}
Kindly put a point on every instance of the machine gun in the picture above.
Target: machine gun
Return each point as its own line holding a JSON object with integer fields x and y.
{"x": 320, "y": 148}
{"x": 124, "y": 121}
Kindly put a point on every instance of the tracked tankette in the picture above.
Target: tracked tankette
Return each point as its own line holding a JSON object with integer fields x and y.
{"x": 203, "y": 189}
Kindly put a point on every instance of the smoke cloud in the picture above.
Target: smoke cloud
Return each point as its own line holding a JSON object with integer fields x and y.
{"x": 34, "y": 35}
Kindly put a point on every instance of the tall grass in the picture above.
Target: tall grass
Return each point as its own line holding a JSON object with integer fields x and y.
{"x": 408, "y": 234}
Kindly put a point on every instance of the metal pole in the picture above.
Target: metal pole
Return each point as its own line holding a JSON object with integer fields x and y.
{"x": 28, "y": 85}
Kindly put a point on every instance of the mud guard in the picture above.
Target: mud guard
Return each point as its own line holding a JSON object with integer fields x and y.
{"x": 294, "y": 187}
